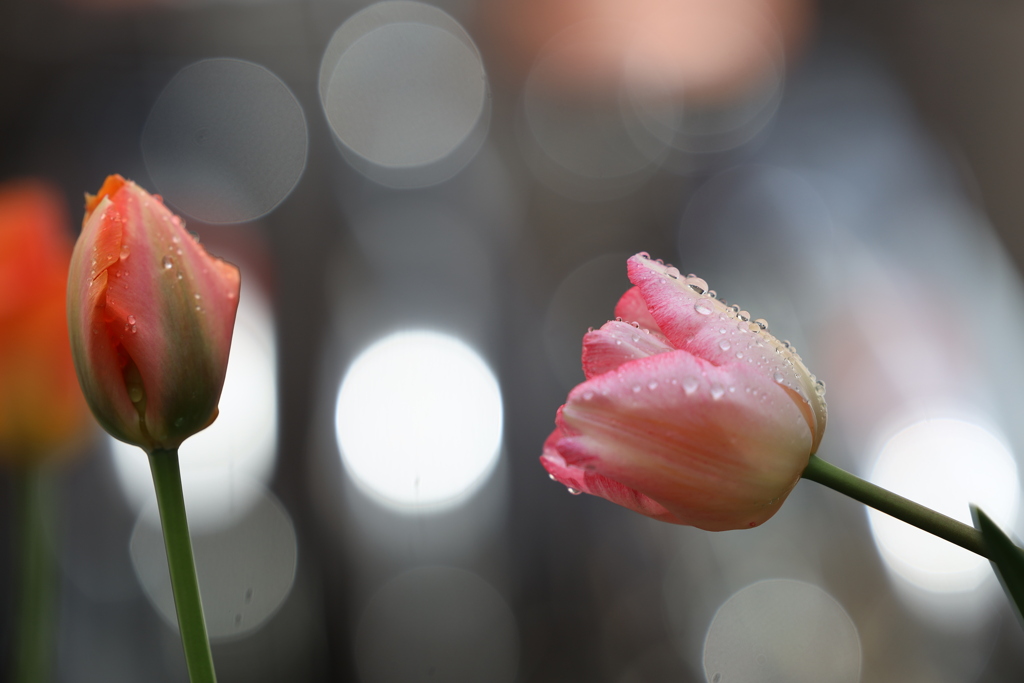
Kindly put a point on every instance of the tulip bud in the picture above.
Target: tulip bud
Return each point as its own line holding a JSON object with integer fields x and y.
{"x": 150, "y": 315}
{"x": 691, "y": 412}
{"x": 41, "y": 408}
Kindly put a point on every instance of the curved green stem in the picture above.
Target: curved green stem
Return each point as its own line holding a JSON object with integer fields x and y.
{"x": 184, "y": 583}
{"x": 36, "y": 587}
{"x": 897, "y": 506}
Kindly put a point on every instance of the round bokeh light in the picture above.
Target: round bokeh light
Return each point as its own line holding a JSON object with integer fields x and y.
{"x": 226, "y": 141}
{"x": 419, "y": 421}
{"x": 782, "y": 630}
{"x": 944, "y": 464}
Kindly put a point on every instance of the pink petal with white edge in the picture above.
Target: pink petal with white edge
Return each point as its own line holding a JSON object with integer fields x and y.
{"x": 617, "y": 343}
{"x": 633, "y": 309}
{"x": 710, "y": 330}
{"x": 718, "y": 447}
{"x": 585, "y": 481}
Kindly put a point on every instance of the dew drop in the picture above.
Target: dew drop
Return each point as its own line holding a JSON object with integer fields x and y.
{"x": 717, "y": 391}
{"x": 739, "y": 354}
{"x": 762, "y": 323}
{"x": 552, "y": 477}
{"x": 636, "y": 389}
{"x": 198, "y": 296}
{"x": 697, "y": 284}
{"x": 635, "y": 338}
{"x": 690, "y": 385}
{"x": 125, "y": 251}
{"x": 744, "y": 316}
{"x": 778, "y": 377}
{"x": 819, "y": 388}
{"x": 588, "y": 395}
{"x": 135, "y": 394}
{"x": 703, "y": 307}
{"x": 168, "y": 263}
{"x": 652, "y": 385}
{"x": 713, "y": 294}
{"x": 131, "y": 320}
{"x": 724, "y": 344}
{"x": 574, "y": 492}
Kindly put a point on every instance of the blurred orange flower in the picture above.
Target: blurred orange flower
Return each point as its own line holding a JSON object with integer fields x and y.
{"x": 42, "y": 412}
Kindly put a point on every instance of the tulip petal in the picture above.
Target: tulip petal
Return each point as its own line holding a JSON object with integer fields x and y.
{"x": 713, "y": 445}
{"x": 590, "y": 482}
{"x": 710, "y": 330}
{"x": 617, "y": 343}
{"x": 633, "y": 309}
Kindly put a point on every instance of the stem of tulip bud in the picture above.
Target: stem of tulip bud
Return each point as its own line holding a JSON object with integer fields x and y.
{"x": 36, "y": 587}
{"x": 923, "y": 518}
{"x": 184, "y": 583}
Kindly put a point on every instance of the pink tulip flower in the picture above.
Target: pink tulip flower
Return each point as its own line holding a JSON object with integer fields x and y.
{"x": 150, "y": 316}
{"x": 691, "y": 413}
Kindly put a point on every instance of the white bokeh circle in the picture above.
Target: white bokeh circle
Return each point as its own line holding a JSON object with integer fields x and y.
{"x": 404, "y": 90}
{"x": 782, "y": 630}
{"x": 419, "y": 421}
{"x": 226, "y": 141}
{"x": 944, "y": 464}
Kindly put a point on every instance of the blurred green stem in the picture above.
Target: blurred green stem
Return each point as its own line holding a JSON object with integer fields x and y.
{"x": 899, "y": 507}
{"x": 36, "y": 586}
{"x": 185, "y": 584}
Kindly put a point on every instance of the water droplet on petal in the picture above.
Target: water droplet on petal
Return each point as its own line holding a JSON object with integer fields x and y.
{"x": 552, "y": 477}
{"x": 135, "y": 394}
{"x": 125, "y": 251}
{"x": 778, "y": 377}
{"x": 168, "y": 263}
{"x": 588, "y": 395}
{"x": 819, "y": 387}
{"x": 131, "y": 320}
{"x": 690, "y": 385}
{"x": 724, "y": 344}
{"x": 697, "y": 284}
{"x": 717, "y": 391}
{"x": 636, "y": 389}
{"x": 739, "y": 354}
{"x": 703, "y": 307}
{"x": 652, "y": 385}
{"x": 573, "y": 491}
{"x": 762, "y": 323}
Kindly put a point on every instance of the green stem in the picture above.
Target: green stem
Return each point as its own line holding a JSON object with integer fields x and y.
{"x": 184, "y": 583}
{"x": 35, "y": 602}
{"x": 897, "y": 506}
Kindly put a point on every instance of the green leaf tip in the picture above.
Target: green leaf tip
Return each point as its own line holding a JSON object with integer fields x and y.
{"x": 1007, "y": 559}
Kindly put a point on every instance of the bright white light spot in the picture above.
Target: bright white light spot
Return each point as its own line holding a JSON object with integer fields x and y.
{"x": 946, "y": 465}
{"x": 226, "y": 141}
{"x": 419, "y": 420}
{"x": 782, "y": 630}
{"x": 403, "y": 87}
{"x": 223, "y": 467}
